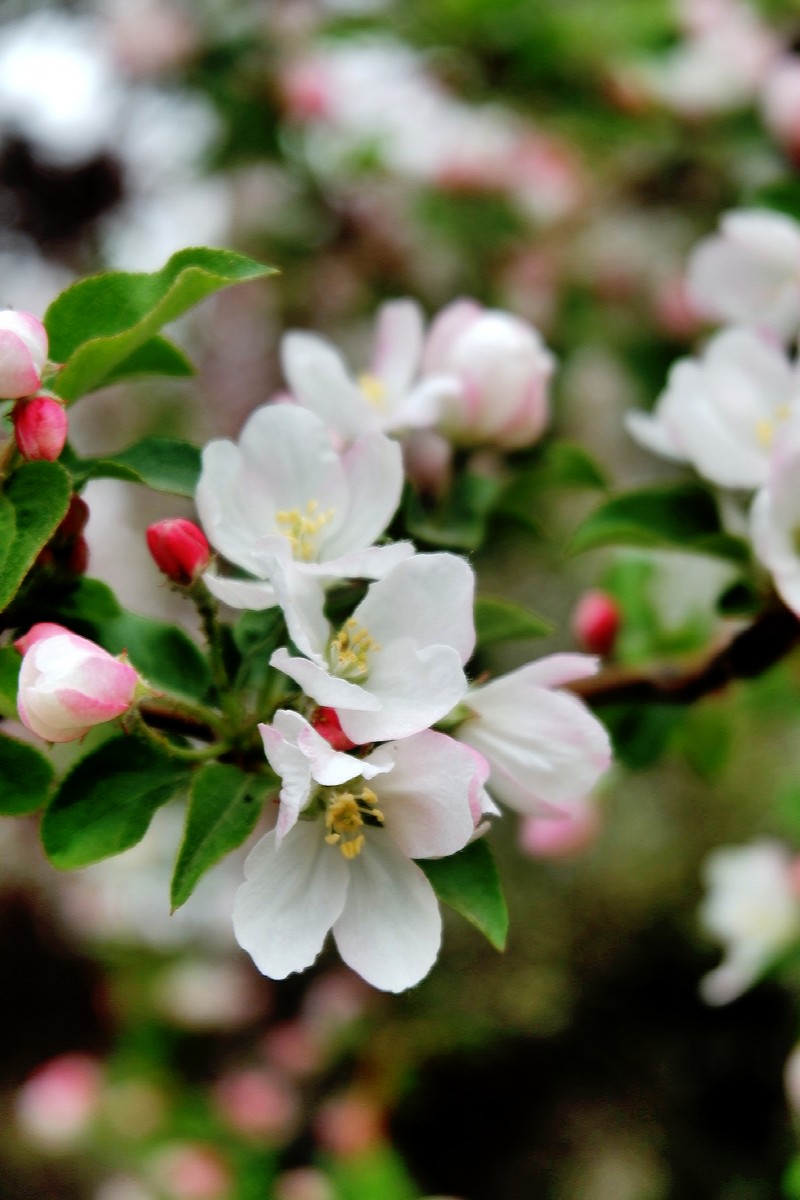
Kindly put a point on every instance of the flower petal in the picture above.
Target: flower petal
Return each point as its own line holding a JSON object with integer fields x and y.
{"x": 291, "y": 897}
{"x": 390, "y": 929}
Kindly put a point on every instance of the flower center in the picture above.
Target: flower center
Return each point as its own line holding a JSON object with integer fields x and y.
{"x": 302, "y": 528}
{"x": 348, "y": 652}
{"x": 345, "y": 814}
{"x": 373, "y": 389}
{"x": 766, "y": 426}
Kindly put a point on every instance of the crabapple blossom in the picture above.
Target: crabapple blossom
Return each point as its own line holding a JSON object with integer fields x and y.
{"x": 544, "y": 748}
{"x": 775, "y": 519}
{"x": 340, "y": 857}
{"x": 23, "y": 353}
{"x": 386, "y": 397}
{"x": 396, "y": 665}
{"x": 752, "y": 906}
{"x": 502, "y": 368}
{"x": 749, "y": 272}
{"x": 720, "y": 412}
{"x": 179, "y": 549}
{"x": 40, "y": 428}
{"x": 67, "y": 684}
{"x": 285, "y": 506}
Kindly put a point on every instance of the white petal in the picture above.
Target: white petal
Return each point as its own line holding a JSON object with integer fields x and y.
{"x": 291, "y": 897}
{"x": 412, "y": 689}
{"x": 373, "y": 466}
{"x": 428, "y": 598}
{"x": 241, "y": 593}
{"x": 323, "y": 687}
{"x": 426, "y": 796}
{"x": 318, "y": 378}
{"x": 290, "y": 763}
{"x": 390, "y": 929}
{"x": 398, "y": 344}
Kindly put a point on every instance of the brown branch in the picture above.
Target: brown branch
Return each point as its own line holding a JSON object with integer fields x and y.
{"x": 747, "y": 654}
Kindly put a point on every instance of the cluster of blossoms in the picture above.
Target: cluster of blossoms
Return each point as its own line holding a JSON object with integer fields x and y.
{"x": 385, "y": 751}
{"x": 733, "y": 413}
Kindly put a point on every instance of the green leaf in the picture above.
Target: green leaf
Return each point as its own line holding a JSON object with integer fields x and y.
{"x": 88, "y": 602}
{"x": 8, "y": 529}
{"x": 163, "y": 464}
{"x": 163, "y": 653}
{"x": 641, "y": 732}
{"x": 558, "y": 465}
{"x": 39, "y": 493}
{"x": 459, "y": 520}
{"x": 25, "y": 776}
{"x": 469, "y": 883}
{"x": 106, "y": 803}
{"x": 682, "y": 517}
{"x": 99, "y": 323}
{"x": 222, "y": 813}
{"x": 159, "y": 356}
{"x": 502, "y": 621}
{"x": 377, "y": 1172}
{"x": 10, "y": 663}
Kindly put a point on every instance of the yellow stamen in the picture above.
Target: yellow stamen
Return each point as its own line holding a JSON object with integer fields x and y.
{"x": 349, "y": 650}
{"x": 344, "y": 819}
{"x": 373, "y": 389}
{"x": 302, "y": 529}
{"x": 766, "y": 426}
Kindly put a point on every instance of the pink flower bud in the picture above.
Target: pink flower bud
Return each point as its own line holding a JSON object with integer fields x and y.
{"x": 23, "y": 354}
{"x": 595, "y": 622}
{"x": 780, "y": 103}
{"x": 40, "y": 427}
{"x": 350, "y": 1124}
{"x": 257, "y": 1103}
{"x": 67, "y": 684}
{"x": 191, "y": 1171}
{"x": 561, "y": 834}
{"x": 179, "y": 549}
{"x": 500, "y": 368}
{"x": 326, "y": 723}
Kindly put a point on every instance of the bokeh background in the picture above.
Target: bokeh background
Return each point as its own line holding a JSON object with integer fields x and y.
{"x": 556, "y": 159}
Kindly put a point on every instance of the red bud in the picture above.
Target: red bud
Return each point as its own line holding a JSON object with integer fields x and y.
{"x": 595, "y": 622}
{"x": 40, "y": 426}
{"x": 326, "y": 723}
{"x": 179, "y": 549}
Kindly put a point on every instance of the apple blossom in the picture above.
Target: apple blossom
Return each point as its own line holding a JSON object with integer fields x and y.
{"x": 23, "y": 353}
{"x": 396, "y": 665}
{"x": 502, "y": 367}
{"x": 721, "y": 412}
{"x": 179, "y": 549}
{"x": 775, "y": 519}
{"x": 284, "y": 505}
{"x": 544, "y": 748}
{"x": 386, "y": 397}
{"x": 749, "y": 272}
{"x": 752, "y": 906}
{"x": 340, "y": 856}
{"x": 67, "y": 684}
{"x": 40, "y": 427}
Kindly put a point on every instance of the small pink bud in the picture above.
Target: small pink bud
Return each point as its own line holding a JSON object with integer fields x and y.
{"x": 561, "y": 834}
{"x": 257, "y": 1103}
{"x": 595, "y": 622}
{"x": 40, "y": 427}
{"x": 55, "y": 1106}
{"x": 179, "y": 549}
{"x": 67, "y": 684}
{"x": 23, "y": 354}
{"x": 350, "y": 1124}
{"x": 191, "y": 1171}
{"x": 326, "y": 723}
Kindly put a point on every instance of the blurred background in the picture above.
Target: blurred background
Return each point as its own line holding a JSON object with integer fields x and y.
{"x": 555, "y": 159}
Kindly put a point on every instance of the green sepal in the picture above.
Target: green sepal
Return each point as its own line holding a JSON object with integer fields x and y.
{"x": 34, "y": 503}
{"x": 683, "y": 516}
{"x": 224, "y": 805}
{"x": 25, "y": 777}
{"x": 107, "y": 801}
{"x": 469, "y": 883}
{"x": 100, "y": 322}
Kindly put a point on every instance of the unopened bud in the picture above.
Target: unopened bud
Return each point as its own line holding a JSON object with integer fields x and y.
{"x": 179, "y": 549}
{"x": 40, "y": 427}
{"x": 23, "y": 354}
{"x": 595, "y": 622}
{"x": 74, "y": 522}
{"x": 326, "y": 723}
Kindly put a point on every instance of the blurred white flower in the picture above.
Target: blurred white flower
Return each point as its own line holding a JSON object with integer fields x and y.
{"x": 752, "y": 906}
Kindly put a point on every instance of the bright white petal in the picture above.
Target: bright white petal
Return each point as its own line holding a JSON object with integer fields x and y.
{"x": 326, "y": 689}
{"x": 426, "y": 796}
{"x": 373, "y": 466}
{"x": 291, "y": 897}
{"x": 412, "y": 689}
{"x": 428, "y": 598}
{"x": 318, "y": 378}
{"x": 390, "y": 929}
{"x": 241, "y": 593}
{"x": 398, "y": 344}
